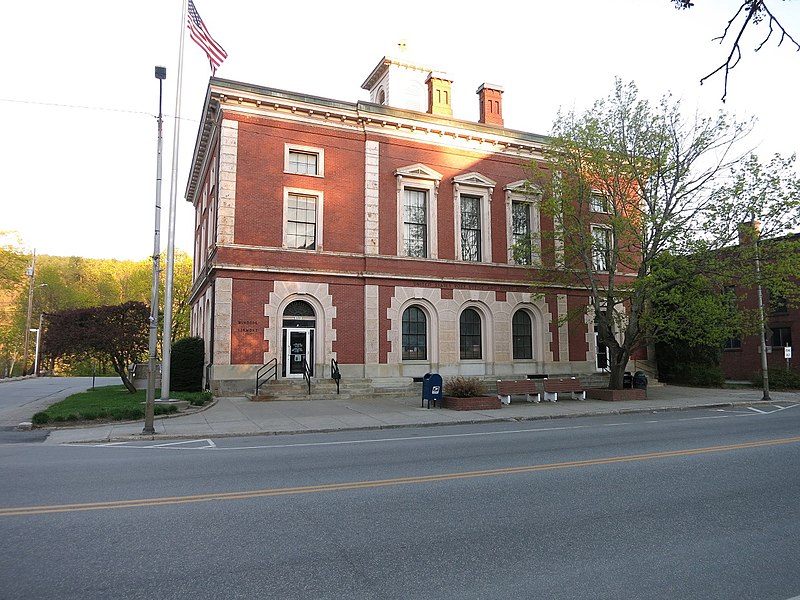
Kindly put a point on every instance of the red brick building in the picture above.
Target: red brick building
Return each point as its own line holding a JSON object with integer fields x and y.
{"x": 741, "y": 358}
{"x": 375, "y": 233}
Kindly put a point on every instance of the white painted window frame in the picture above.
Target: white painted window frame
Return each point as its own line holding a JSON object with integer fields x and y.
{"x": 520, "y": 192}
{"x": 419, "y": 177}
{"x": 318, "y": 152}
{"x": 288, "y": 191}
{"x": 481, "y": 187}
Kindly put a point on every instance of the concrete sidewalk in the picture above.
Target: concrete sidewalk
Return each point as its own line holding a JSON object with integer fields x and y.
{"x": 239, "y": 416}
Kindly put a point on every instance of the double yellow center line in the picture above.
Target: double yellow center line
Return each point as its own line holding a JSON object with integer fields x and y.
{"x": 358, "y": 485}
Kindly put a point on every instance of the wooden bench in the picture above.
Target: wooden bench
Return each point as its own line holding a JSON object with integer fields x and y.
{"x": 571, "y": 386}
{"x": 529, "y": 387}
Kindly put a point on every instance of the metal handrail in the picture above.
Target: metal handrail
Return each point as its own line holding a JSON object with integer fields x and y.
{"x": 307, "y": 374}
{"x": 335, "y": 374}
{"x": 266, "y": 372}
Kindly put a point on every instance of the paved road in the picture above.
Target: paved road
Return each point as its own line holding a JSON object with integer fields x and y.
{"x": 21, "y": 398}
{"x": 670, "y": 505}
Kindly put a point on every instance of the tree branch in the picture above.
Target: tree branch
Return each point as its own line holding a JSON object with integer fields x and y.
{"x": 756, "y": 11}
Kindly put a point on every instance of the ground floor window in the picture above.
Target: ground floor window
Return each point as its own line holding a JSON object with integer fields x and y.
{"x": 781, "y": 337}
{"x": 470, "y": 335}
{"x": 415, "y": 334}
{"x": 522, "y": 334}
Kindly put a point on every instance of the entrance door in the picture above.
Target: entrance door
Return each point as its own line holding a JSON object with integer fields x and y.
{"x": 298, "y": 347}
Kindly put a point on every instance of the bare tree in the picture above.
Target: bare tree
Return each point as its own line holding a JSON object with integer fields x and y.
{"x": 750, "y": 13}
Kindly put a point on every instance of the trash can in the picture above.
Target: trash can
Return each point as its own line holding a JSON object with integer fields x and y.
{"x": 627, "y": 380}
{"x": 640, "y": 380}
{"x": 431, "y": 389}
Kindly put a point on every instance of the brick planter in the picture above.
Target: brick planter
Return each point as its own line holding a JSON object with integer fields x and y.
{"x": 616, "y": 395}
{"x": 472, "y": 403}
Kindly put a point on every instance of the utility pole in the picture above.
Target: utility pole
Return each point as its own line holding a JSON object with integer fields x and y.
{"x": 149, "y": 410}
{"x": 31, "y": 273}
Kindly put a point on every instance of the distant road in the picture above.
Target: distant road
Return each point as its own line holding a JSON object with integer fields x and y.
{"x": 20, "y": 399}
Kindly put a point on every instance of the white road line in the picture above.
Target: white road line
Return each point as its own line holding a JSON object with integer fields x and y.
{"x": 209, "y": 444}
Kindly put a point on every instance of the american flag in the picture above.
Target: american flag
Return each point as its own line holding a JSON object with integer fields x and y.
{"x": 198, "y": 32}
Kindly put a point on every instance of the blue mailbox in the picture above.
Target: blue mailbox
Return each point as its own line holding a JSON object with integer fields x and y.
{"x": 432, "y": 389}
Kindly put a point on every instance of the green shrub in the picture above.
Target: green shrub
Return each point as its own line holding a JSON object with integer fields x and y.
{"x": 199, "y": 399}
{"x": 186, "y": 365}
{"x": 40, "y": 418}
{"x": 464, "y": 387}
{"x": 779, "y": 379}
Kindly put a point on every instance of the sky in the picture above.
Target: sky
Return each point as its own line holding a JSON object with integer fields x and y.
{"x": 79, "y": 97}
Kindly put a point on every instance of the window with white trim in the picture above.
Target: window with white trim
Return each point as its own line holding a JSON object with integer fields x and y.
{"x": 522, "y": 216}
{"x": 303, "y": 160}
{"x": 470, "y": 228}
{"x": 598, "y": 202}
{"x": 417, "y": 191}
{"x": 302, "y": 219}
{"x": 521, "y": 232}
{"x": 415, "y": 222}
{"x": 601, "y": 248}
{"x": 473, "y": 194}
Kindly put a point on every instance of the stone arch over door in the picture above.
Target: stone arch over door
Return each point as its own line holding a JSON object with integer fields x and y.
{"x": 320, "y": 300}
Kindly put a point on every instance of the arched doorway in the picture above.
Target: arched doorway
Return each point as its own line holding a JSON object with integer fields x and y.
{"x": 299, "y": 323}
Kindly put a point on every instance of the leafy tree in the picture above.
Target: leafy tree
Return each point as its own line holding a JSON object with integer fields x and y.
{"x": 690, "y": 320}
{"x": 12, "y": 262}
{"x": 12, "y": 283}
{"x": 625, "y": 182}
{"x": 749, "y": 14}
{"x": 77, "y": 282}
{"x": 118, "y": 333}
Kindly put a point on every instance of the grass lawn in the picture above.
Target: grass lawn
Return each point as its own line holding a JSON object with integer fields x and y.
{"x": 110, "y": 403}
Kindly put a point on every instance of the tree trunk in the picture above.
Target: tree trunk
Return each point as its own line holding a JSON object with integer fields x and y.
{"x": 618, "y": 360}
{"x": 123, "y": 375}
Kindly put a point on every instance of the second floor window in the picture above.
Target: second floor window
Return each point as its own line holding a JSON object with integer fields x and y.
{"x": 521, "y": 232}
{"x": 301, "y": 221}
{"x": 303, "y": 160}
{"x": 601, "y": 248}
{"x": 598, "y": 203}
{"x": 415, "y": 222}
{"x": 471, "y": 228}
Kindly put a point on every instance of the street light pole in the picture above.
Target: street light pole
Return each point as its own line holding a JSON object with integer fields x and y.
{"x": 149, "y": 412}
{"x": 763, "y": 345}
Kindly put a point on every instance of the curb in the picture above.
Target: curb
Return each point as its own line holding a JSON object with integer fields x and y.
{"x": 621, "y": 411}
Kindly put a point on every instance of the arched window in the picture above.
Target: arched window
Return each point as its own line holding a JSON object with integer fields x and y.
{"x": 299, "y": 314}
{"x": 298, "y": 308}
{"x": 470, "y": 330}
{"x": 522, "y": 335}
{"x": 415, "y": 334}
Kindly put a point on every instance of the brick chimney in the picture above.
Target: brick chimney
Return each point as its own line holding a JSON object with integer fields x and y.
{"x": 491, "y": 104}
{"x": 439, "y": 94}
{"x": 749, "y": 232}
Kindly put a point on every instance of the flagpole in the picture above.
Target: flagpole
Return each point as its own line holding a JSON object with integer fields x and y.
{"x": 166, "y": 341}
